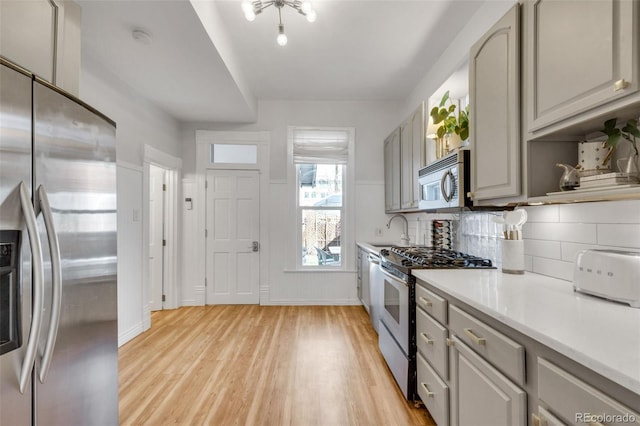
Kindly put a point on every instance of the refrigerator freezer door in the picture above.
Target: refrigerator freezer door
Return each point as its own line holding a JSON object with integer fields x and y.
{"x": 15, "y": 167}
{"x": 74, "y": 152}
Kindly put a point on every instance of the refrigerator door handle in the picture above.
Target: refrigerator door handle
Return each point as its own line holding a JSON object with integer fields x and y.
{"x": 38, "y": 285}
{"x": 56, "y": 270}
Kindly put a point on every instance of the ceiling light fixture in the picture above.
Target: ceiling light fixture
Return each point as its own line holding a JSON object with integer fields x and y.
{"x": 253, "y": 8}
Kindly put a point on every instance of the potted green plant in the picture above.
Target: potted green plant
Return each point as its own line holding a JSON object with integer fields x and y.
{"x": 629, "y": 132}
{"x": 449, "y": 123}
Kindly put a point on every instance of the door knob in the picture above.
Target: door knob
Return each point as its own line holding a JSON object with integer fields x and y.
{"x": 255, "y": 246}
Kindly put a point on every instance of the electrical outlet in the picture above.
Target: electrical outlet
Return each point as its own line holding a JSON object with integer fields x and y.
{"x": 378, "y": 232}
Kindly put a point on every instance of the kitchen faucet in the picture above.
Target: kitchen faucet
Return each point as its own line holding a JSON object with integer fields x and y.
{"x": 404, "y": 238}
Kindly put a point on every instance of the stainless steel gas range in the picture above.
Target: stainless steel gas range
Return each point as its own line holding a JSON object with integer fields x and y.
{"x": 397, "y": 333}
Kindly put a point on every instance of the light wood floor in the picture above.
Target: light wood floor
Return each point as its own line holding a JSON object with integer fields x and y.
{"x": 252, "y": 365}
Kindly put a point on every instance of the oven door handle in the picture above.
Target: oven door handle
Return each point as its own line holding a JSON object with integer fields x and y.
{"x": 394, "y": 278}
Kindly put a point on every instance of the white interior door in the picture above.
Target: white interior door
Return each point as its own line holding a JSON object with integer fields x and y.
{"x": 156, "y": 236}
{"x": 233, "y": 228}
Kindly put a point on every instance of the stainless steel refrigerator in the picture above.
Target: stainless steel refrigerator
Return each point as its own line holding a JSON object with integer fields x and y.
{"x": 58, "y": 264}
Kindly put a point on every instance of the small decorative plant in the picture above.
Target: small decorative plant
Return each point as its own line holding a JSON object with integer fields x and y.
{"x": 449, "y": 123}
{"x": 629, "y": 132}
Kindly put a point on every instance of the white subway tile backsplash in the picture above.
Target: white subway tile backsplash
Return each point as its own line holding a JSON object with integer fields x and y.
{"x": 621, "y": 235}
{"x": 627, "y": 211}
{"x": 555, "y": 234}
{"x": 553, "y": 268}
{"x": 572, "y": 232}
{"x": 528, "y": 263}
{"x": 540, "y": 248}
{"x": 570, "y": 250}
{"x": 544, "y": 214}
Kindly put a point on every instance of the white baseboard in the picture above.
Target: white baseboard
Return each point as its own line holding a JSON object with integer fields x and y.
{"x": 129, "y": 334}
{"x": 146, "y": 317}
{"x": 306, "y": 302}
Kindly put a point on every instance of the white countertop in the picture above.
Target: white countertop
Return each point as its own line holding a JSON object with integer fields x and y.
{"x": 601, "y": 335}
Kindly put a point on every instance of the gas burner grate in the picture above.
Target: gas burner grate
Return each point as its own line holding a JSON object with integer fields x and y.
{"x": 439, "y": 258}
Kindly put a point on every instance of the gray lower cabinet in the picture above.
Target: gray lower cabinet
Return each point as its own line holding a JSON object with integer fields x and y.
{"x": 580, "y": 55}
{"x": 364, "y": 288}
{"x": 575, "y": 402}
{"x": 480, "y": 394}
{"x": 494, "y": 110}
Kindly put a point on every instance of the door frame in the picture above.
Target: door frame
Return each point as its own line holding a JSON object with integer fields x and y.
{"x": 156, "y": 305}
{"x": 173, "y": 167}
{"x": 204, "y": 140}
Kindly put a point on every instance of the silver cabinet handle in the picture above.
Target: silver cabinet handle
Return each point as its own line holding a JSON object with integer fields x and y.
{"x": 426, "y": 338}
{"x": 56, "y": 271}
{"x": 38, "y": 286}
{"x": 426, "y": 302}
{"x": 620, "y": 85}
{"x": 429, "y": 393}
{"x": 538, "y": 420}
{"x": 477, "y": 340}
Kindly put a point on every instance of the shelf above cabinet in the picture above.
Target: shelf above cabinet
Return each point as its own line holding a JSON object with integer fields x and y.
{"x": 623, "y": 192}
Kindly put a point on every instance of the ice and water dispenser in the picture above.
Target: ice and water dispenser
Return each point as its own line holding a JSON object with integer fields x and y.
{"x": 9, "y": 291}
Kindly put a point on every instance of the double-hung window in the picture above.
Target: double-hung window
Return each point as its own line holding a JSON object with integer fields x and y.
{"x": 322, "y": 158}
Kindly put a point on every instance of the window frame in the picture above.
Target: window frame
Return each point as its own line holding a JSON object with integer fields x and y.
{"x": 346, "y": 210}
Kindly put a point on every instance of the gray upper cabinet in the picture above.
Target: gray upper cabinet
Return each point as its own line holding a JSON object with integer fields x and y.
{"x": 392, "y": 171}
{"x": 412, "y": 150}
{"x": 404, "y": 155}
{"x": 580, "y": 55}
{"x": 494, "y": 106}
{"x": 43, "y": 36}
{"x": 28, "y": 35}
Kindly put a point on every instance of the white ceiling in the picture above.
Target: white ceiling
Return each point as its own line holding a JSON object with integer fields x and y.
{"x": 214, "y": 66}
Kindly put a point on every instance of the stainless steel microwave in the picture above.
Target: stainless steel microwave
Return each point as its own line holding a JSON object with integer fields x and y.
{"x": 445, "y": 182}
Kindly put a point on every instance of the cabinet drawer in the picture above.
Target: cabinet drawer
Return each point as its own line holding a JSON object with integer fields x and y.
{"x": 494, "y": 346}
{"x": 570, "y": 398}
{"x": 431, "y": 338}
{"x": 431, "y": 303}
{"x": 433, "y": 392}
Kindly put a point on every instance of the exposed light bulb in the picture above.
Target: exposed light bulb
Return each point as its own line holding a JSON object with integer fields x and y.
{"x": 282, "y": 37}
{"x": 247, "y": 6}
{"x": 311, "y": 16}
{"x": 250, "y": 15}
{"x": 306, "y": 6}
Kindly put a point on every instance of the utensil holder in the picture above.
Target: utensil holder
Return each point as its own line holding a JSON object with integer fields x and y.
{"x": 512, "y": 256}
